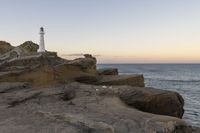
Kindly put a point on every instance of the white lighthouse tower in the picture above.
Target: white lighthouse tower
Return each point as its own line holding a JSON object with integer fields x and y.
{"x": 41, "y": 44}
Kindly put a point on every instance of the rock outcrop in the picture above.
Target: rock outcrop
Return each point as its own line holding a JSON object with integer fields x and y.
{"x": 39, "y": 92}
{"x": 5, "y": 47}
{"x": 10, "y": 52}
{"x": 132, "y": 80}
{"x": 107, "y": 71}
{"x": 24, "y": 64}
{"x": 76, "y": 108}
{"x": 153, "y": 100}
{"x": 45, "y": 69}
{"x": 29, "y": 46}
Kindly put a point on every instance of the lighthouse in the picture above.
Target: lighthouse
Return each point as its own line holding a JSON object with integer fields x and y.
{"x": 41, "y": 44}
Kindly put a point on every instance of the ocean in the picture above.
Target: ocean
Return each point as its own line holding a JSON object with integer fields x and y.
{"x": 182, "y": 78}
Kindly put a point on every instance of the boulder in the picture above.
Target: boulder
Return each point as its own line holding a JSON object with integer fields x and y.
{"x": 87, "y": 64}
{"x": 147, "y": 99}
{"x": 107, "y": 71}
{"x": 132, "y": 80}
{"x": 153, "y": 100}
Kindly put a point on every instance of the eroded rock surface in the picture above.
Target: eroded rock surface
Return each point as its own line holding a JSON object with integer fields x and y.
{"x": 90, "y": 109}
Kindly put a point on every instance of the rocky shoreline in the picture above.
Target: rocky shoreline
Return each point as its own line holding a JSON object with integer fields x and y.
{"x": 41, "y": 92}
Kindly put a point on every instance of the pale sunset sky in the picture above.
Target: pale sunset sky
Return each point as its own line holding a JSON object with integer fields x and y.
{"x": 115, "y": 31}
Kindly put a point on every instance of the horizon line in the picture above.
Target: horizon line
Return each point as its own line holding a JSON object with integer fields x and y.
{"x": 184, "y": 63}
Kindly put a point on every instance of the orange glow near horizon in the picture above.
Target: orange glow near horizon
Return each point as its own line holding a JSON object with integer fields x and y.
{"x": 141, "y": 31}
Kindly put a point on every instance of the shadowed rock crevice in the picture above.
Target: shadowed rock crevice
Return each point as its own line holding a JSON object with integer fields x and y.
{"x": 23, "y": 100}
{"x": 85, "y": 125}
{"x": 107, "y": 71}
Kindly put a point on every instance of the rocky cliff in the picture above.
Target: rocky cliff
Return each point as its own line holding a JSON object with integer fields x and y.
{"x": 41, "y": 92}
{"x": 5, "y": 47}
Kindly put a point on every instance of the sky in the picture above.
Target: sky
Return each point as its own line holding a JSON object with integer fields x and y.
{"x": 115, "y": 31}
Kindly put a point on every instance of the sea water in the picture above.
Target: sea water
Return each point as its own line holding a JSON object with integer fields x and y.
{"x": 182, "y": 78}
